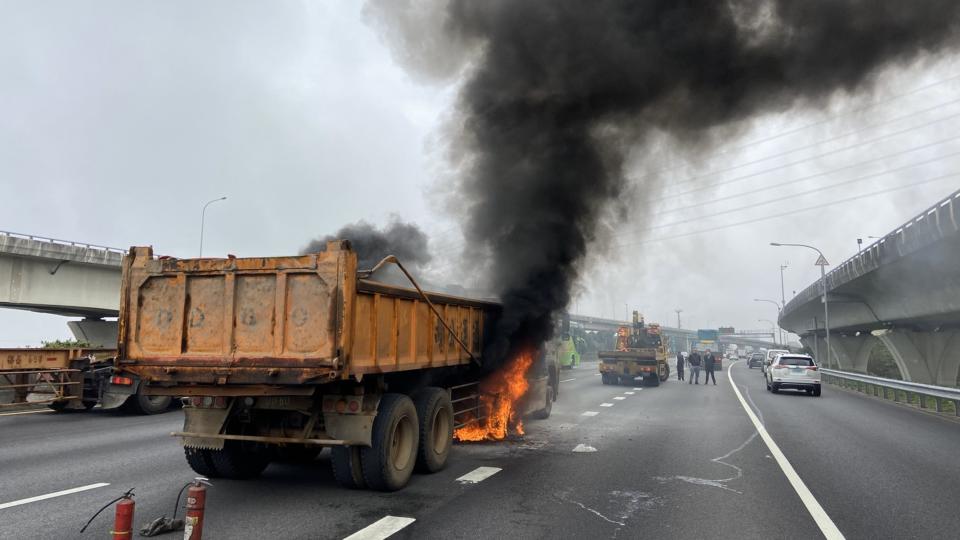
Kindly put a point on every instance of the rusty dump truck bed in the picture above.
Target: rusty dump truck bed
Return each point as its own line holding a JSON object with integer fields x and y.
{"x": 284, "y": 321}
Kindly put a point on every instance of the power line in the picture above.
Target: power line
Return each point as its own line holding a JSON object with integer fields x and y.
{"x": 804, "y": 160}
{"x": 791, "y": 212}
{"x": 800, "y": 194}
{"x": 818, "y": 143}
{"x": 824, "y": 173}
{"x": 818, "y": 123}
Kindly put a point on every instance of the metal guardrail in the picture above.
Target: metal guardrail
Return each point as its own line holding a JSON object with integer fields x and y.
{"x": 879, "y": 386}
{"x": 62, "y": 242}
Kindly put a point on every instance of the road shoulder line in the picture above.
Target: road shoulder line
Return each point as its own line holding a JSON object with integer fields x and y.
{"x": 819, "y": 515}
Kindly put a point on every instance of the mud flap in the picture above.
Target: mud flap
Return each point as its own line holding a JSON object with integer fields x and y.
{"x": 355, "y": 428}
{"x": 196, "y": 420}
{"x": 115, "y": 395}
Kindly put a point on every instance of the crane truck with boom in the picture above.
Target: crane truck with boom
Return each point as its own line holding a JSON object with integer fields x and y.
{"x": 640, "y": 353}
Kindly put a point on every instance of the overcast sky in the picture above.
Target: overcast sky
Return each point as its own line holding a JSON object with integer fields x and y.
{"x": 120, "y": 119}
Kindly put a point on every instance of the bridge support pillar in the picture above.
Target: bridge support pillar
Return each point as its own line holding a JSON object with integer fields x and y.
{"x": 852, "y": 352}
{"x": 921, "y": 355}
{"x": 96, "y": 332}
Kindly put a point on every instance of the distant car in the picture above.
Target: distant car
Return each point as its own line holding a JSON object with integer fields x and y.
{"x": 794, "y": 371}
{"x": 756, "y": 360}
{"x": 771, "y": 356}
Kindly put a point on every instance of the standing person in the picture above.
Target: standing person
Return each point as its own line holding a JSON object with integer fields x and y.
{"x": 694, "y": 361}
{"x": 679, "y": 365}
{"x": 709, "y": 362}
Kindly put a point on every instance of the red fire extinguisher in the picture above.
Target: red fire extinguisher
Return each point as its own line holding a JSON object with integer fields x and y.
{"x": 196, "y": 502}
{"x": 123, "y": 519}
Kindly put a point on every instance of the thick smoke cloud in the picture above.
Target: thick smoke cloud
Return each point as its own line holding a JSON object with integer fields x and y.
{"x": 557, "y": 94}
{"x": 405, "y": 240}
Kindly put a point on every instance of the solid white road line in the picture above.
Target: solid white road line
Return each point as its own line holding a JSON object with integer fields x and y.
{"x": 27, "y": 412}
{"x": 619, "y": 398}
{"x": 606, "y": 404}
{"x": 479, "y": 474}
{"x": 589, "y": 413}
{"x": 52, "y": 495}
{"x": 382, "y": 528}
{"x": 819, "y": 515}
{"x": 568, "y": 380}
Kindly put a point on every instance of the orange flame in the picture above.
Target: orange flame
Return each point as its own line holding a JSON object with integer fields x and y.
{"x": 501, "y": 391}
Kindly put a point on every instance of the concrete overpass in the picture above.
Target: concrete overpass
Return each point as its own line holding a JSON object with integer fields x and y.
{"x": 677, "y": 338}
{"x": 902, "y": 291}
{"x": 61, "y": 277}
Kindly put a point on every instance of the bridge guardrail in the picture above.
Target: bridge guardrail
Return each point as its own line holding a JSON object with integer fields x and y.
{"x": 877, "y": 386}
{"x": 62, "y": 242}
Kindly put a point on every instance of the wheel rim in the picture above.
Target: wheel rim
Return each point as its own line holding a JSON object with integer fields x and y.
{"x": 441, "y": 431}
{"x": 401, "y": 443}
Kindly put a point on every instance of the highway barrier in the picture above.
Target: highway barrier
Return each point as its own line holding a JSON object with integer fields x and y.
{"x": 899, "y": 391}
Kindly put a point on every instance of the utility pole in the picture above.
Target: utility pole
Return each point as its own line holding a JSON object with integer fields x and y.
{"x": 678, "y": 312}
{"x": 822, "y": 263}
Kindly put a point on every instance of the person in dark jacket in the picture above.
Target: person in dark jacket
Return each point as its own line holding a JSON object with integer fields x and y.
{"x": 694, "y": 361}
{"x": 679, "y": 365}
{"x": 709, "y": 362}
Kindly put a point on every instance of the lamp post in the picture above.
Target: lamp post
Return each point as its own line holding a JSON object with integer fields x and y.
{"x": 203, "y": 216}
{"x": 783, "y": 299}
{"x": 678, "y": 311}
{"x": 773, "y": 329}
{"x": 777, "y": 305}
{"x": 822, "y": 263}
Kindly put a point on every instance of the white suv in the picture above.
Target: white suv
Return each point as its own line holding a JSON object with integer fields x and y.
{"x": 771, "y": 356}
{"x": 796, "y": 371}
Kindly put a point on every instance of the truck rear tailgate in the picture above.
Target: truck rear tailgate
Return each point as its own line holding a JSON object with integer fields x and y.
{"x": 273, "y": 320}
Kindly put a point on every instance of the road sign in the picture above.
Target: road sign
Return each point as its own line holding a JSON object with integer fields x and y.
{"x": 822, "y": 261}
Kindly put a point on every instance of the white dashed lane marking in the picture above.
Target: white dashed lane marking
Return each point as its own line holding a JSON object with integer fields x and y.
{"x": 584, "y": 448}
{"x": 606, "y": 404}
{"x": 629, "y": 393}
{"x": 619, "y": 398}
{"x": 638, "y": 388}
{"x": 568, "y": 380}
{"x": 382, "y": 528}
{"x": 589, "y": 413}
{"x": 478, "y": 475}
{"x": 52, "y": 495}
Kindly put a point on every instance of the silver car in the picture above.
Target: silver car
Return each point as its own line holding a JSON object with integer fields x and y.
{"x": 794, "y": 371}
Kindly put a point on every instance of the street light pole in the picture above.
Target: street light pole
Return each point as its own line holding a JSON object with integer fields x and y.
{"x": 822, "y": 263}
{"x": 678, "y": 311}
{"x": 203, "y": 216}
{"x": 783, "y": 300}
{"x": 777, "y": 305}
{"x": 773, "y": 329}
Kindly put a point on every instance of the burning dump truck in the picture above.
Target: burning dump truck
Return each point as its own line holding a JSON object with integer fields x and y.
{"x": 278, "y": 357}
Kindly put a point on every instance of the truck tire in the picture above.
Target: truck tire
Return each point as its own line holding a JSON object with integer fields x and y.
{"x": 237, "y": 462}
{"x": 199, "y": 461}
{"x": 298, "y": 454}
{"x": 652, "y": 381}
{"x": 389, "y": 461}
{"x": 544, "y": 413}
{"x": 140, "y": 404}
{"x": 435, "y": 413}
{"x": 347, "y": 470}
{"x": 666, "y": 374}
{"x": 604, "y": 378}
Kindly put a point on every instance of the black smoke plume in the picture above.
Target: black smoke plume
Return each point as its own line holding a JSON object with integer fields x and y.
{"x": 405, "y": 240}
{"x": 557, "y": 93}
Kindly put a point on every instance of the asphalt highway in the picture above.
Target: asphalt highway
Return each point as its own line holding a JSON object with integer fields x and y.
{"x": 678, "y": 461}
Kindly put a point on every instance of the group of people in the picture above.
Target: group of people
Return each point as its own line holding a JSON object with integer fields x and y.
{"x": 707, "y": 361}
